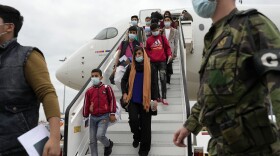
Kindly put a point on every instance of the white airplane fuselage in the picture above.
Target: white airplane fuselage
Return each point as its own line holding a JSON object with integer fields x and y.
{"x": 75, "y": 71}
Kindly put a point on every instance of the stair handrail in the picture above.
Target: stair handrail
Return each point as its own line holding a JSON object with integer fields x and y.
{"x": 66, "y": 120}
{"x": 181, "y": 39}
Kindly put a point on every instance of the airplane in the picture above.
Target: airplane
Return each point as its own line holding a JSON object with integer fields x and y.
{"x": 75, "y": 71}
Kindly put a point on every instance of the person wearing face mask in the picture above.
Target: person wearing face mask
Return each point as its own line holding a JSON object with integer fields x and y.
{"x": 239, "y": 75}
{"x": 172, "y": 36}
{"x": 147, "y": 28}
{"x": 167, "y": 13}
{"x": 141, "y": 37}
{"x": 100, "y": 107}
{"x": 139, "y": 87}
{"x": 126, "y": 49}
{"x": 159, "y": 51}
{"x": 24, "y": 84}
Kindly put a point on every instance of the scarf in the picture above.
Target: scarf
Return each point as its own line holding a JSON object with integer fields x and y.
{"x": 146, "y": 84}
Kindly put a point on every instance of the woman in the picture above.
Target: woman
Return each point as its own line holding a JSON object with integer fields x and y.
{"x": 139, "y": 87}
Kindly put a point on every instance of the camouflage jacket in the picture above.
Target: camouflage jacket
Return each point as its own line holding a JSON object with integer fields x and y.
{"x": 229, "y": 76}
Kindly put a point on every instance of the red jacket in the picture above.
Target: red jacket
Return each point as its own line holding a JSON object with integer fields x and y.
{"x": 156, "y": 50}
{"x": 99, "y": 100}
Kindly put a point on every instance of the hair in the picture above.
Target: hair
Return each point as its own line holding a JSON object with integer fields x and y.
{"x": 167, "y": 12}
{"x": 11, "y": 15}
{"x": 169, "y": 18}
{"x": 134, "y": 16}
{"x": 184, "y": 11}
{"x": 154, "y": 20}
{"x": 132, "y": 28}
{"x": 96, "y": 70}
{"x": 154, "y": 26}
{"x": 148, "y": 17}
{"x": 156, "y": 15}
{"x": 136, "y": 49}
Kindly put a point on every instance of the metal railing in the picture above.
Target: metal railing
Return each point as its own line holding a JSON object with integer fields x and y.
{"x": 78, "y": 96}
{"x": 182, "y": 41}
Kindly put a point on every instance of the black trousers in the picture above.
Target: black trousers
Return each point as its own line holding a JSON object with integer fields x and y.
{"x": 161, "y": 69}
{"x": 15, "y": 152}
{"x": 140, "y": 125}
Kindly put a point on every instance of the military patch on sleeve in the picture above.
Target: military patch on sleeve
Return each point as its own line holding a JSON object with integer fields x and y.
{"x": 267, "y": 60}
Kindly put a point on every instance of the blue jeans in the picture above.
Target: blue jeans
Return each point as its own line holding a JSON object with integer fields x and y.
{"x": 98, "y": 127}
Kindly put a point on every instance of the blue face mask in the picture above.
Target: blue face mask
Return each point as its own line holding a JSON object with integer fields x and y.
{"x": 132, "y": 36}
{"x": 167, "y": 24}
{"x": 155, "y": 33}
{"x": 95, "y": 80}
{"x": 139, "y": 59}
{"x": 134, "y": 23}
{"x": 148, "y": 23}
{"x": 147, "y": 29}
{"x": 204, "y": 8}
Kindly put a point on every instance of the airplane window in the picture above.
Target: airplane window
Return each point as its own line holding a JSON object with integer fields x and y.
{"x": 201, "y": 27}
{"x": 112, "y": 32}
{"x": 107, "y": 33}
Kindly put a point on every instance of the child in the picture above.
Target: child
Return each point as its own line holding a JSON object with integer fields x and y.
{"x": 100, "y": 104}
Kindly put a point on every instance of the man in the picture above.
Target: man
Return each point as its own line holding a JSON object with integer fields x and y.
{"x": 141, "y": 37}
{"x": 24, "y": 83}
{"x": 239, "y": 74}
{"x": 159, "y": 51}
{"x": 172, "y": 36}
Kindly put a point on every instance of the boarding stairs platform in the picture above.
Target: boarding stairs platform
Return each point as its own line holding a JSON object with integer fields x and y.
{"x": 169, "y": 118}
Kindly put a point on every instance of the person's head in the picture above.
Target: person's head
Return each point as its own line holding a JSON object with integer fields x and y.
{"x": 148, "y": 20}
{"x": 138, "y": 54}
{"x": 155, "y": 20}
{"x": 96, "y": 76}
{"x": 156, "y": 15}
{"x": 134, "y": 20}
{"x": 167, "y": 21}
{"x": 167, "y": 13}
{"x": 10, "y": 22}
{"x": 155, "y": 29}
{"x": 212, "y": 8}
{"x": 132, "y": 33}
{"x": 184, "y": 11}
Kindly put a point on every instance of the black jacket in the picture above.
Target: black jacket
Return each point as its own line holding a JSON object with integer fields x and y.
{"x": 154, "y": 83}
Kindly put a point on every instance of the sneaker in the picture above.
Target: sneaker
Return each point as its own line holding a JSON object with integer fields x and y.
{"x": 108, "y": 150}
{"x": 164, "y": 101}
{"x": 135, "y": 143}
{"x": 167, "y": 85}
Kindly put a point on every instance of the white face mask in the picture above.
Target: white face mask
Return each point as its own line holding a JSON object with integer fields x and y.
{"x": 155, "y": 33}
{"x": 134, "y": 23}
{"x": 132, "y": 36}
{"x": 95, "y": 80}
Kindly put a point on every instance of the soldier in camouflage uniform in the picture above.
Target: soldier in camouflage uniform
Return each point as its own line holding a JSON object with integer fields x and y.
{"x": 239, "y": 73}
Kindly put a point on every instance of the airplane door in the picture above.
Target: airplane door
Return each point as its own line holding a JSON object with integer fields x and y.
{"x": 188, "y": 35}
{"x": 144, "y": 13}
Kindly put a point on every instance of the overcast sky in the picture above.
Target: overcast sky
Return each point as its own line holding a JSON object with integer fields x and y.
{"x": 59, "y": 27}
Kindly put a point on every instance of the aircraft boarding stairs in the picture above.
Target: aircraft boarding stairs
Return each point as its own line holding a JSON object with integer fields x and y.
{"x": 168, "y": 120}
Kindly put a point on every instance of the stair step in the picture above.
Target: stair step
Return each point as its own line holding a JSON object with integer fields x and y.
{"x": 157, "y": 148}
{"x": 171, "y": 117}
{"x": 127, "y": 136}
{"x": 156, "y": 126}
